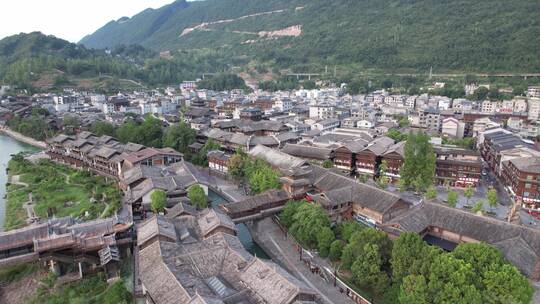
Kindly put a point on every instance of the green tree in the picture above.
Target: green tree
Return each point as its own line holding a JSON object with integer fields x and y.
{"x": 396, "y": 135}
{"x": 336, "y": 248}
{"x": 325, "y": 237}
{"x": 492, "y": 198}
{"x": 179, "y": 137}
{"x": 480, "y": 94}
{"x": 355, "y": 247}
{"x": 431, "y": 193}
{"x": 383, "y": 180}
{"x": 198, "y": 197}
{"x": 479, "y": 206}
{"x": 287, "y": 215}
{"x": 419, "y": 167}
{"x": 237, "y": 165}
{"x": 411, "y": 256}
{"x": 101, "y": 127}
{"x": 481, "y": 256}
{"x": 201, "y": 158}
{"x": 452, "y": 198}
{"x": 413, "y": 290}
{"x": 151, "y": 132}
{"x": 158, "y": 200}
{"x": 452, "y": 280}
{"x": 468, "y": 193}
{"x": 367, "y": 269}
{"x": 363, "y": 178}
{"x": 328, "y": 164}
{"x": 263, "y": 179}
{"x": 498, "y": 281}
{"x": 128, "y": 132}
{"x": 506, "y": 285}
{"x": 347, "y": 228}
{"x": 307, "y": 222}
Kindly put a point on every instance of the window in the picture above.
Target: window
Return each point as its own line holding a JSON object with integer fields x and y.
{"x": 527, "y": 186}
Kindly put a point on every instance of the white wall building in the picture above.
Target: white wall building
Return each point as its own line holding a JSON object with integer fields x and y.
{"x": 453, "y": 128}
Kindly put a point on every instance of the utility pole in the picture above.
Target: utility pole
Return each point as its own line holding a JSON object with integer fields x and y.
{"x": 430, "y": 72}
{"x": 335, "y": 71}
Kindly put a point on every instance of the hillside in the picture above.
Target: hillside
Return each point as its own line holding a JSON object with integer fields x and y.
{"x": 37, "y": 61}
{"x": 454, "y": 35}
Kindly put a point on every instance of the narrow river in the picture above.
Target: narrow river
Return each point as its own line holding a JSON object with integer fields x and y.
{"x": 243, "y": 232}
{"x": 8, "y": 146}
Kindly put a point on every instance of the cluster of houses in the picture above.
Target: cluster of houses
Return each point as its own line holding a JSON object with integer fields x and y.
{"x": 343, "y": 197}
{"x": 182, "y": 248}
{"x": 105, "y": 155}
{"x": 195, "y": 256}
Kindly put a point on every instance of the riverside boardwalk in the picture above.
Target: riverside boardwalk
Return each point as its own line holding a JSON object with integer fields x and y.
{"x": 22, "y": 138}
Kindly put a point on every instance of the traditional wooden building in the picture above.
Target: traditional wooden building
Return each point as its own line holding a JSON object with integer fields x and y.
{"x": 395, "y": 158}
{"x": 365, "y": 200}
{"x": 218, "y": 162}
{"x": 369, "y": 158}
{"x": 447, "y": 227}
{"x": 346, "y": 155}
{"x": 185, "y": 260}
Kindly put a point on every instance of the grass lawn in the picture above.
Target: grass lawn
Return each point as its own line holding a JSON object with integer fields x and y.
{"x": 16, "y": 273}
{"x": 59, "y": 191}
{"x": 15, "y": 213}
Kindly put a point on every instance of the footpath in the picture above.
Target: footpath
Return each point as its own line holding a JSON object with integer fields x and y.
{"x": 275, "y": 243}
{"x": 22, "y": 138}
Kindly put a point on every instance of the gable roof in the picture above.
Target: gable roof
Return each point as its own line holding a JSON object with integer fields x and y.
{"x": 520, "y": 245}
{"x": 307, "y": 151}
{"x": 275, "y": 158}
{"x": 367, "y": 196}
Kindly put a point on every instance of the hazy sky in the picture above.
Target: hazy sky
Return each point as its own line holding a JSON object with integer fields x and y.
{"x": 67, "y": 19}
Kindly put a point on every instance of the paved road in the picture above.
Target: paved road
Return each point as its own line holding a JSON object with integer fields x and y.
{"x": 268, "y": 235}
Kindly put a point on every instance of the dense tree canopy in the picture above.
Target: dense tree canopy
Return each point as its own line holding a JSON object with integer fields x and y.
{"x": 158, "y": 200}
{"x": 198, "y": 197}
{"x": 257, "y": 173}
{"x": 419, "y": 167}
{"x": 179, "y": 137}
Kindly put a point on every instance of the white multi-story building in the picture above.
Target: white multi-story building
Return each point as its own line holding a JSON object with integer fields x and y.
{"x": 482, "y": 124}
{"x": 533, "y": 105}
{"x": 534, "y": 91}
{"x": 489, "y": 106}
{"x": 326, "y": 124}
{"x": 283, "y": 104}
{"x": 322, "y": 111}
{"x": 410, "y": 102}
{"x": 462, "y": 104}
{"x": 445, "y": 103}
{"x": 107, "y": 107}
{"x": 453, "y": 128}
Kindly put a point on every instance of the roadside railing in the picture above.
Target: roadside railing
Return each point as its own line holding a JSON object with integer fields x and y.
{"x": 328, "y": 274}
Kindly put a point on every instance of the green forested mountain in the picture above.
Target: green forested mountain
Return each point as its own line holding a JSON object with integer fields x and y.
{"x": 35, "y": 60}
{"x": 455, "y": 35}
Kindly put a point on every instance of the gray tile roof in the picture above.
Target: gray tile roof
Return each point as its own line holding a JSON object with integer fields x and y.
{"x": 519, "y": 244}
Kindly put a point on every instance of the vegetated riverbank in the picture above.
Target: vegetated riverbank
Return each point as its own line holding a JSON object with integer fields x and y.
{"x": 25, "y": 139}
